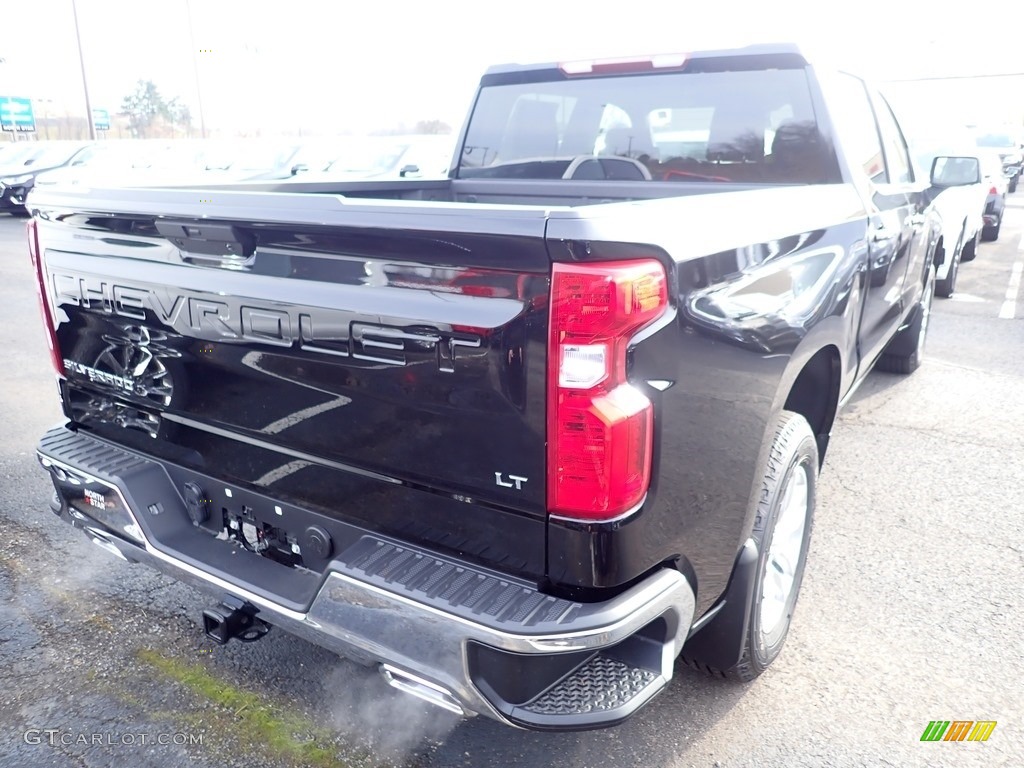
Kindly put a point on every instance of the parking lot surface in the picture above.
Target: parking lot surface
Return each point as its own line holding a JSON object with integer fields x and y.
{"x": 911, "y": 609}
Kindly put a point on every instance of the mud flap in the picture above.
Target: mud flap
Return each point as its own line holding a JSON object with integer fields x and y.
{"x": 719, "y": 643}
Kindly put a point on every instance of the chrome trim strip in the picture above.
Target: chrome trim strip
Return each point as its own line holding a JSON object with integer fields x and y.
{"x": 711, "y": 613}
{"x": 853, "y": 389}
{"x": 618, "y": 518}
{"x": 277, "y": 448}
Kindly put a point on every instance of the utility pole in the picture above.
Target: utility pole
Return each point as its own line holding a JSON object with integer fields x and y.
{"x": 195, "y": 68}
{"x": 85, "y": 84}
{"x": 13, "y": 136}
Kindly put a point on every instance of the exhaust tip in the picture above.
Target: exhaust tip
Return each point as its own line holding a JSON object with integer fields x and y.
{"x": 103, "y": 541}
{"x": 421, "y": 689}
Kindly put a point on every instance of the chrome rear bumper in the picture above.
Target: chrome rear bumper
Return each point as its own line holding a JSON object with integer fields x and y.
{"x": 465, "y": 638}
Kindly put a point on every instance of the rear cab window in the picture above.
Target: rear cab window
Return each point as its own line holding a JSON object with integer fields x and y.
{"x": 713, "y": 120}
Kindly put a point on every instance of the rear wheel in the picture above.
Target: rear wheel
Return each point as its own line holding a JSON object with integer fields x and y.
{"x": 970, "y": 248}
{"x": 905, "y": 351}
{"x": 991, "y": 234}
{"x": 782, "y": 532}
{"x": 1013, "y": 184}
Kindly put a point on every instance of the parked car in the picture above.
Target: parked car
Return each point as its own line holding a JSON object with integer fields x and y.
{"x": 175, "y": 162}
{"x": 15, "y": 153}
{"x": 520, "y": 442}
{"x": 18, "y": 156}
{"x": 959, "y": 204}
{"x": 18, "y": 178}
{"x": 997, "y": 182}
{"x": 375, "y": 157}
{"x": 1007, "y": 143}
{"x": 249, "y": 160}
{"x": 106, "y": 163}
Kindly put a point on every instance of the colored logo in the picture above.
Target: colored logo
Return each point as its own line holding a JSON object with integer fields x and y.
{"x": 958, "y": 730}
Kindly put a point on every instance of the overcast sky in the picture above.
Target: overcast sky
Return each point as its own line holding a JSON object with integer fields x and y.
{"x": 334, "y": 64}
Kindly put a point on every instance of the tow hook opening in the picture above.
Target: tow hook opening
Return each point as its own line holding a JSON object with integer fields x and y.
{"x": 234, "y": 618}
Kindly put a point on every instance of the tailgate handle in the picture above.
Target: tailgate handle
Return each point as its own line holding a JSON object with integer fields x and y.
{"x": 222, "y": 242}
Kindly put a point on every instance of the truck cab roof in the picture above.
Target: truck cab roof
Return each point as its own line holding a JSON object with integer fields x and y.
{"x": 790, "y": 53}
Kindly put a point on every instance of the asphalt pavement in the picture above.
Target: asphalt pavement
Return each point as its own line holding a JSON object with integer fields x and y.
{"x": 911, "y": 610}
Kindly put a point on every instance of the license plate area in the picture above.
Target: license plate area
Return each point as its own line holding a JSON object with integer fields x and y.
{"x": 288, "y": 535}
{"x": 261, "y": 537}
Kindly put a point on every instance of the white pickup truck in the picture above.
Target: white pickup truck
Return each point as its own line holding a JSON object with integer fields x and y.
{"x": 959, "y": 207}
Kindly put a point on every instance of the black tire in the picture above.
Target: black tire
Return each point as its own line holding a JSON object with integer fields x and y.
{"x": 1013, "y": 184}
{"x": 905, "y": 351}
{"x": 947, "y": 285}
{"x": 792, "y": 469}
{"x": 970, "y": 250}
{"x": 991, "y": 234}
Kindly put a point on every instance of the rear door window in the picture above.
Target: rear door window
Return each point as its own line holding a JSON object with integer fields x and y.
{"x": 857, "y": 128}
{"x": 896, "y": 157}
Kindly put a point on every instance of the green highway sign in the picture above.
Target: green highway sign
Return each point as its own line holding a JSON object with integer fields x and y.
{"x": 16, "y": 114}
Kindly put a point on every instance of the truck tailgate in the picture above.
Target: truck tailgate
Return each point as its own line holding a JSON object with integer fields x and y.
{"x": 383, "y": 364}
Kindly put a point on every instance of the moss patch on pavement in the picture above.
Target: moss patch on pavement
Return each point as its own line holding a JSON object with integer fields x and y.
{"x": 284, "y": 735}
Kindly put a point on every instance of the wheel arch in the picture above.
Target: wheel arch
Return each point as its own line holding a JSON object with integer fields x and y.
{"x": 815, "y": 391}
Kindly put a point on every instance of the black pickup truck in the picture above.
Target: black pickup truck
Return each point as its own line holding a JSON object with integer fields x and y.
{"x": 522, "y": 437}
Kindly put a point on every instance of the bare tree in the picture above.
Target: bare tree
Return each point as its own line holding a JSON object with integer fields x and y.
{"x": 432, "y": 127}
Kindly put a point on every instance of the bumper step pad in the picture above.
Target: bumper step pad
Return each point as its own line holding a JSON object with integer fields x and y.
{"x": 599, "y": 685}
{"x": 602, "y": 691}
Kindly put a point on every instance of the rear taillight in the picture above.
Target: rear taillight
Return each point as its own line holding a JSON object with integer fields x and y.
{"x": 599, "y": 425}
{"x": 31, "y": 230}
{"x": 993, "y": 191}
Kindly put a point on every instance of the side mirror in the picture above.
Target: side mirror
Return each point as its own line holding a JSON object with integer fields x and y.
{"x": 955, "y": 171}
{"x": 409, "y": 170}
{"x": 299, "y": 168}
